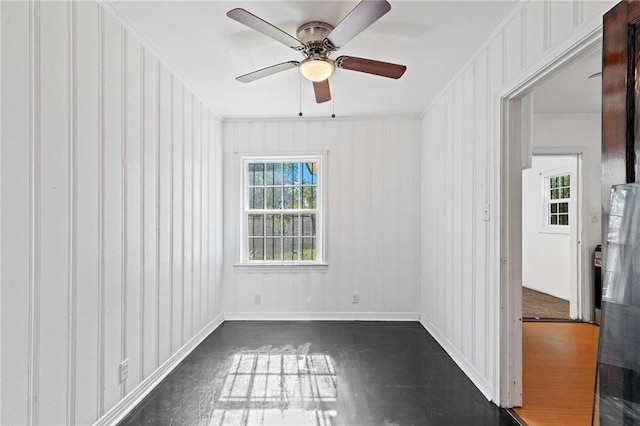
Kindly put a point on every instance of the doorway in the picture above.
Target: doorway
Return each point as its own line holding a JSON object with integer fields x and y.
{"x": 550, "y": 212}
{"x": 521, "y": 108}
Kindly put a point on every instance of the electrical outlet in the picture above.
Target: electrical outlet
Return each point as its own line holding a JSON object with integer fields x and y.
{"x": 486, "y": 212}
{"x": 595, "y": 217}
{"x": 124, "y": 370}
{"x": 257, "y": 299}
{"x": 355, "y": 299}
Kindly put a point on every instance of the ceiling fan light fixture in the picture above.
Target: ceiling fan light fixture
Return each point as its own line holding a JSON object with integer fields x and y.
{"x": 317, "y": 69}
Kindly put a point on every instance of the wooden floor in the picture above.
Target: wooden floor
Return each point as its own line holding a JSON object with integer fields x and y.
{"x": 559, "y": 363}
{"x": 537, "y": 305}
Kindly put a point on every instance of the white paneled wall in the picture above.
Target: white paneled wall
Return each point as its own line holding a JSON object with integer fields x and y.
{"x": 373, "y": 220}
{"x": 111, "y": 221}
{"x": 460, "y": 168}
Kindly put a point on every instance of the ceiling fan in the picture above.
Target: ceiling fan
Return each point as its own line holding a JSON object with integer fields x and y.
{"x": 317, "y": 41}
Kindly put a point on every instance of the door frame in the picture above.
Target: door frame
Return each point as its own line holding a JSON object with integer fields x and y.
{"x": 509, "y": 187}
{"x": 580, "y": 292}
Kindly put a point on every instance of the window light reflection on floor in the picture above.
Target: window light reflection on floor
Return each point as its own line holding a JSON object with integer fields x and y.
{"x": 278, "y": 389}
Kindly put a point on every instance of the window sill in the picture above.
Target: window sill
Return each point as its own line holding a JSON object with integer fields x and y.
{"x": 281, "y": 268}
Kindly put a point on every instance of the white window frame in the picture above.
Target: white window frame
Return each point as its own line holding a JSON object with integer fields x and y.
{"x": 319, "y": 264}
{"x": 547, "y": 227}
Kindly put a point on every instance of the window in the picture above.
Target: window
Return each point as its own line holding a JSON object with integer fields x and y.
{"x": 282, "y": 210}
{"x": 557, "y": 195}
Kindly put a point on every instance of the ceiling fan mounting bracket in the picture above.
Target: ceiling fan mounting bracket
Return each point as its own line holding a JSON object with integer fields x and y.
{"x": 313, "y": 35}
{"x": 314, "y": 31}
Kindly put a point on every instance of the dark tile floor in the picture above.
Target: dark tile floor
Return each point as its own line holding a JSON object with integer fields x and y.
{"x": 319, "y": 374}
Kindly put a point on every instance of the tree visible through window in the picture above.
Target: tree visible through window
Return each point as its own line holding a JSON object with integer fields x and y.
{"x": 558, "y": 195}
{"x": 282, "y": 209}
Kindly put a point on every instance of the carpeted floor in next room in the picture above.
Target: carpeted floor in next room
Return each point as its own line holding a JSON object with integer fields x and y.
{"x": 537, "y": 305}
{"x": 318, "y": 373}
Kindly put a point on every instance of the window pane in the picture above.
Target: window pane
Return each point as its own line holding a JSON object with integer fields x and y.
{"x": 256, "y": 173}
{"x": 256, "y": 225}
{"x": 564, "y": 207}
{"x": 309, "y": 174}
{"x": 275, "y": 193}
{"x": 554, "y": 219}
{"x": 554, "y": 182}
{"x": 308, "y": 197}
{"x": 564, "y": 193}
{"x": 291, "y": 198}
{"x": 274, "y": 198}
{"x": 273, "y": 249}
{"x": 256, "y": 198}
{"x": 290, "y": 249}
{"x": 563, "y": 219}
{"x": 274, "y": 225}
{"x": 308, "y": 249}
{"x": 554, "y": 208}
{"x": 273, "y": 174}
{"x": 308, "y": 225}
{"x": 291, "y": 173}
{"x": 291, "y": 225}
{"x": 256, "y": 248}
{"x": 565, "y": 180}
{"x": 555, "y": 194}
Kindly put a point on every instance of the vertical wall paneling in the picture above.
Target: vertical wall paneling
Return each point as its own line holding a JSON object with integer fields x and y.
{"x": 157, "y": 209}
{"x": 513, "y": 43}
{"x": 195, "y": 213}
{"x": 18, "y": 284}
{"x": 150, "y": 142}
{"x": 178, "y": 214}
{"x": 92, "y": 174}
{"x": 133, "y": 165}
{"x": 141, "y": 311}
{"x": 561, "y": 20}
{"x": 165, "y": 122}
{"x": 466, "y": 218}
{"x": 123, "y": 202}
{"x": 188, "y": 213}
{"x": 480, "y": 184}
{"x": 171, "y": 234}
{"x": 535, "y": 31}
{"x": 1, "y": 417}
{"x": 72, "y": 215}
{"x": 101, "y": 232}
{"x": 87, "y": 247}
{"x": 457, "y": 212}
{"x": 460, "y": 287}
{"x": 204, "y": 214}
{"x": 370, "y": 222}
{"x": 34, "y": 211}
{"x": 112, "y": 219}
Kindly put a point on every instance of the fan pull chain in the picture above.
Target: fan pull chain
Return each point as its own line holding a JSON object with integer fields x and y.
{"x": 300, "y": 93}
{"x": 333, "y": 101}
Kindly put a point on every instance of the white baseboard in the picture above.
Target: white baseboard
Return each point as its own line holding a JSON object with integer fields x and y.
{"x": 322, "y": 316}
{"x": 474, "y": 375}
{"x": 133, "y": 398}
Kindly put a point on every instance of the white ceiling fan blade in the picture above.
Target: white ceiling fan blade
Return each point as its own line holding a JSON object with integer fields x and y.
{"x": 264, "y": 72}
{"x": 364, "y": 14}
{"x": 259, "y": 24}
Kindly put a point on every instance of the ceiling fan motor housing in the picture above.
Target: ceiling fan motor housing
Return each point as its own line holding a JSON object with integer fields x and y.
{"x": 313, "y": 34}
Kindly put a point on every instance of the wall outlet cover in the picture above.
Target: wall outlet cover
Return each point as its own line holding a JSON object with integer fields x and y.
{"x": 124, "y": 370}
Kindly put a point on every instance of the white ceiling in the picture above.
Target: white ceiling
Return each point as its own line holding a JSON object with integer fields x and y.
{"x": 434, "y": 39}
{"x": 571, "y": 90}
